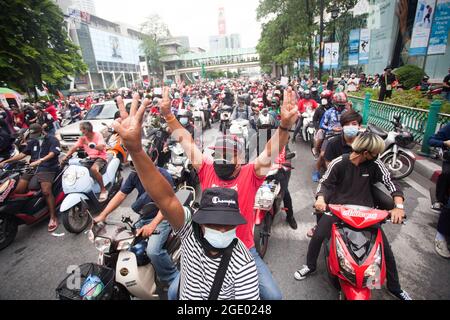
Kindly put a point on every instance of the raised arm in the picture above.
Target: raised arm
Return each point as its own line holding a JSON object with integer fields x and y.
{"x": 153, "y": 182}
{"x": 276, "y": 144}
{"x": 180, "y": 133}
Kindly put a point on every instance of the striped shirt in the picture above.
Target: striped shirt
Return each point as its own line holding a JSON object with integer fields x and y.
{"x": 198, "y": 269}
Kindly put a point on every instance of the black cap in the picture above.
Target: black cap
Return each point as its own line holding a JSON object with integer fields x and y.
{"x": 228, "y": 142}
{"x": 219, "y": 206}
{"x": 35, "y": 130}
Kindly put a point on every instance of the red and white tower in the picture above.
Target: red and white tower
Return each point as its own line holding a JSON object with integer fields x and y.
{"x": 222, "y": 23}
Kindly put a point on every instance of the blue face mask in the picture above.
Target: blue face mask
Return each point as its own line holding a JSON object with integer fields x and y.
{"x": 351, "y": 131}
{"x": 219, "y": 239}
{"x": 184, "y": 121}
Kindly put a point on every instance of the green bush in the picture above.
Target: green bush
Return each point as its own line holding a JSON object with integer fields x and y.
{"x": 409, "y": 76}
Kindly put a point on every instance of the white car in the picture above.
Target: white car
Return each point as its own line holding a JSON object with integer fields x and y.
{"x": 99, "y": 113}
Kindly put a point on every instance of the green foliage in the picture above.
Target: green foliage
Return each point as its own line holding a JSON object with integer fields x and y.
{"x": 409, "y": 75}
{"x": 34, "y": 46}
{"x": 408, "y": 98}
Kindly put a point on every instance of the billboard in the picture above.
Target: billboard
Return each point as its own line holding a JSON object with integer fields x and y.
{"x": 364, "y": 46}
{"x": 440, "y": 28}
{"x": 353, "y": 53}
{"x": 112, "y": 47}
{"x": 331, "y": 55}
{"x": 422, "y": 27}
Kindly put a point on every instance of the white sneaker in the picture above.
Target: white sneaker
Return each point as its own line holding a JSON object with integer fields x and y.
{"x": 303, "y": 273}
{"x": 441, "y": 248}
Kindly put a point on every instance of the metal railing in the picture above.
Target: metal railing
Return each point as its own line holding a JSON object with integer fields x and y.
{"x": 422, "y": 123}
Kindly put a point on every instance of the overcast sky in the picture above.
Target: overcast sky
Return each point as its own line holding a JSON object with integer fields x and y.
{"x": 197, "y": 19}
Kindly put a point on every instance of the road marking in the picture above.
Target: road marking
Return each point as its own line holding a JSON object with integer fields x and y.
{"x": 418, "y": 187}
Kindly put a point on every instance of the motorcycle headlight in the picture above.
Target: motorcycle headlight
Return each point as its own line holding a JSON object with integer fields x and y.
{"x": 125, "y": 244}
{"x": 343, "y": 262}
{"x": 372, "y": 273}
{"x": 70, "y": 178}
{"x": 102, "y": 244}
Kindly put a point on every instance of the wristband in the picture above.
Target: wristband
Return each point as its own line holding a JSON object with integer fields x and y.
{"x": 170, "y": 118}
{"x": 283, "y": 128}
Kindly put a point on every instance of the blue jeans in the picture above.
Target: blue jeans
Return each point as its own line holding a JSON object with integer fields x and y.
{"x": 268, "y": 289}
{"x": 160, "y": 258}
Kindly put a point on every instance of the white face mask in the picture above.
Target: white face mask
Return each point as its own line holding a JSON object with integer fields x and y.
{"x": 219, "y": 239}
{"x": 324, "y": 102}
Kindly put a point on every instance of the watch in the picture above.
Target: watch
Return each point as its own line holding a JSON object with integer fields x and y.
{"x": 400, "y": 206}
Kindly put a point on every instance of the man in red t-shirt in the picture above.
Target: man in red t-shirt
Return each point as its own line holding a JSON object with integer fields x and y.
{"x": 227, "y": 170}
{"x": 303, "y": 105}
{"x": 50, "y": 108}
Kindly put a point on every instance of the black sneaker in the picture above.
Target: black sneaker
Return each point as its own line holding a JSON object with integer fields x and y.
{"x": 401, "y": 295}
{"x": 292, "y": 222}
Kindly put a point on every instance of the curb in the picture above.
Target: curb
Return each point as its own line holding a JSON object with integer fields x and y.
{"x": 426, "y": 168}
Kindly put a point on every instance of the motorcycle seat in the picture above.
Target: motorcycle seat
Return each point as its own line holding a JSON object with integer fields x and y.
{"x": 377, "y": 130}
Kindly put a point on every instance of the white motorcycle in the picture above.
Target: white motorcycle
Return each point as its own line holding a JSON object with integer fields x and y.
{"x": 199, "y": 115}
{"x": 225, "y": 116}
{"x": 123, "y": 270}
{"x": 79, "y": 186}
{"x": 241, "y": 128}
{"x": 308, "y": 129}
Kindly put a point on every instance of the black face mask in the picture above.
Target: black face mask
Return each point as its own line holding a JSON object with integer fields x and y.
{"x": 224, "y": 171}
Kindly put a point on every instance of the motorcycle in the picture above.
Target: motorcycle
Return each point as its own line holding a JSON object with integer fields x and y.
{"x": 114, "y": 145}
{"x": 123, "y": 270}
{"x": 215, "y": 117}
{"x": 78, "y": 185}
{"x": 225, "y": 115}
{"x": 240, "y": 128}
{"x": 267, "y": 205}
{"x": 180, "y": 167}
{"x": 308, "y": 129}
{"x": 354, "y": 254}
{"x": 16, "y": 209}
{"x": 397, "y": 155}
{"x": 199, "y": 116}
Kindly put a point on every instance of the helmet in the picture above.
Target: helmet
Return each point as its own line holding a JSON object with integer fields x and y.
{"x": 155, "y": 101}
{"x": 327, "y": 94}
{"x": 307, "y": 94}
{"x": 92, "y": 288}
{"x": 313, "y": 90}
{"x": 340, "y": 98}
{"x": 184, "y": 116}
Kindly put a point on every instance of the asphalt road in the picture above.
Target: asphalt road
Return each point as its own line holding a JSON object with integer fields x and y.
{"x": 33, "y": 266}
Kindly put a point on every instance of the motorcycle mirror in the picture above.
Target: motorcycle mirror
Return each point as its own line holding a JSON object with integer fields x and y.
{"x": 104, "y": 124}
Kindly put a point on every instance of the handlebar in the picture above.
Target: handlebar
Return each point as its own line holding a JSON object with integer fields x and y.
{"x": 328, "y": 212}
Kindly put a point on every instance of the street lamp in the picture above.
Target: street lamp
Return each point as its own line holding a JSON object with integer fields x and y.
{"x": 334, "y": 15}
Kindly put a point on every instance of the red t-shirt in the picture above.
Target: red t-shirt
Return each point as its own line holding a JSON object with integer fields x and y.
{"x": 53, "y": 112}
{"x": 303, "y": 104}
{"x": 246, "y": 184}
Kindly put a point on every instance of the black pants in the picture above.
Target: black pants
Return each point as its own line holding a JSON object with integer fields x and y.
{"x": 298, "y": 127}
{"x": 287, "y": 200}
{"x": 384, "y": 94}
{"x": 324, "y": 231}
{"x": 443, "y": 184}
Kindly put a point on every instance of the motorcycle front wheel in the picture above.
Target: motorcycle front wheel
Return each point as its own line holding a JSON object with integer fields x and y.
{"x": 76, "y": 219}
{"x": 8, "y": 230}
{"x": 262, "y": 235}
{"x": 401, "y": 168}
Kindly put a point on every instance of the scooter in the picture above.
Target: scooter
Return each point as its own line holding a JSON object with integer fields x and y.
{"x": 78, "y": 185}
{"x": 267, "y": 205}
{"x": 225, "y": 116}
{"x": 355, "y": 252}
{"x": 16, "y": 209}
{"x": 308, "y": 129}
{"x": 123, "y": 270}
{"x": 241, "y": 128}
{"x": 199, "y": 116}
{"x": 180, "y": 167}
{"x": 397, "y": 155}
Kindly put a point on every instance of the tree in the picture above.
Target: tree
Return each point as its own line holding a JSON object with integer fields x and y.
{"x": 155, "y": 31}
{"x": 34, "y": 46}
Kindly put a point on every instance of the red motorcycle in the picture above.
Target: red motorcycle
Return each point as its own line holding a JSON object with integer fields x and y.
{"x": 268, "y": 202}
{"x": 17, "y": 209}
{"x": 355, "y": 252}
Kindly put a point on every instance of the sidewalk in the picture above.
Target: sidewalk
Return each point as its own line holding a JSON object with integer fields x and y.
{"x": 428, "y": 168}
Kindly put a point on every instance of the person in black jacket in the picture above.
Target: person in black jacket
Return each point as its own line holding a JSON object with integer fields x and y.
{"x": 386, "y": 81}
{"x": 349, "y": 180}
{"x": 442, "y": 140}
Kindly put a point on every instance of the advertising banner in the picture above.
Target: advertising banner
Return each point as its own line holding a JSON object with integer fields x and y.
{"x": 440, "y": 28}
{"x": 353, "y": 52}
{"x": 422, "y": 27}
{"x": 364, "y": 46}
{"x": 111, "y": 47}
{"x": 331, "y": 55}
{"x": 144, "y": 69}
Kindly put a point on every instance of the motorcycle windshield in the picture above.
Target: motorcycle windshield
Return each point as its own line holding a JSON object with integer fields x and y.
{"x": 359, "y": 217}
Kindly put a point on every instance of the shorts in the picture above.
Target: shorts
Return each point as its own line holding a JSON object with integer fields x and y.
{"x": 34, "y": 180}
{"x": 101, "y": 163}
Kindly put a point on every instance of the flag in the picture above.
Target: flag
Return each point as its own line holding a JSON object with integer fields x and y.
{"x": 40, "y": 93}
